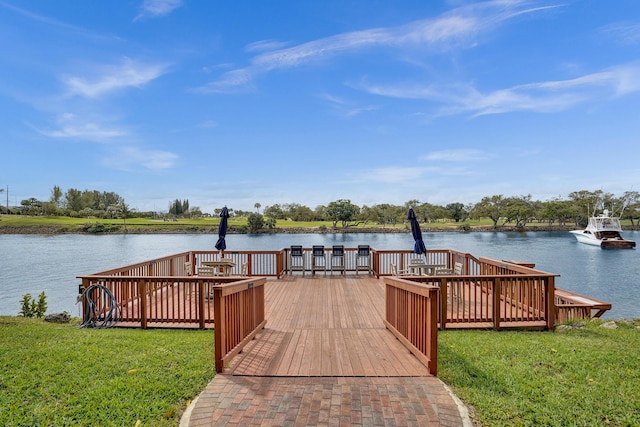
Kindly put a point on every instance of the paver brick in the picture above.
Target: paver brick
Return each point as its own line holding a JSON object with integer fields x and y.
{"x": 303, "y": 401}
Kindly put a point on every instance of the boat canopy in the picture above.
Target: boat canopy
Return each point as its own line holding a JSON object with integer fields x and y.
{"x": 604, "y": 222}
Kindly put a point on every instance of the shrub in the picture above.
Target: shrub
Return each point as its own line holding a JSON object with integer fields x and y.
{"x": 32, "y": 308}
{"x": 255, "y": 222}
{"x": 98, "y": 227}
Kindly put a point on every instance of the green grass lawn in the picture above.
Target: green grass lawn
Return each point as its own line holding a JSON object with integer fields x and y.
{"x": 210, "y": 224}
{"x": 54, "y": 375}
{"x": 580, "y": 377}
{"x": 58, "y": 375}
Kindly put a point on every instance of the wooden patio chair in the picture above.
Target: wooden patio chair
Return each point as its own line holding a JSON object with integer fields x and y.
{"x": 245, "y": 269}
{"x": 337, "y": 259}
{"x": 188, "y": 268}
{"x": 455, "y": 271}
{"x": 204, "y": 270}
{"x": 363, "y": 259}
{"x": 296, "y": 259}
{"x": 318, "y": 259}
{"x": 396, "y": 271}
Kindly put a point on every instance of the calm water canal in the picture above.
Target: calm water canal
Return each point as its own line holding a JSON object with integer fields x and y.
{"x": 33, "y": 264}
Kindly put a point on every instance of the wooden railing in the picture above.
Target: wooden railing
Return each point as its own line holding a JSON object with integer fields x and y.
{"x": 571, "y": 306}
{"x": 350, "y": 259}
{"x": 146, "y": 301}
{"x": 488, "y": 293}
{"x": 239, "y": 314}
{"x": 495, "y": 294}
{"x": 411, "y": 314}
{"x": 259, "y": 263}
{"x": 171, "y": 265}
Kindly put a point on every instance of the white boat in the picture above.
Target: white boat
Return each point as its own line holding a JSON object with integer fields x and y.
{"x": 604, "y": 231}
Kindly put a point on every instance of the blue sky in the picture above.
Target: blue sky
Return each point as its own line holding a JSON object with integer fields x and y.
{"x": 243, "y": 102}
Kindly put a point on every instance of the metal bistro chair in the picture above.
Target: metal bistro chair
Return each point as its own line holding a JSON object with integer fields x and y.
{"x": 318, "y": 259}
{"x": 337, "y": 259}
{"x": 296, "y": 259}
{"x": 363, "y": 259}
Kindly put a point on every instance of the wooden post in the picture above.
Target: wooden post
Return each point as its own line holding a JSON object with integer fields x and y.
{"x": 142, "y": 294}
{"x": 201, "y": 298}
{"x": 496, "y": 302}
{"x": 432, "y": 313}
{"x": 550, "y": 302}
{"x": 443, "y": 303}
{"x": 219, "y": 334}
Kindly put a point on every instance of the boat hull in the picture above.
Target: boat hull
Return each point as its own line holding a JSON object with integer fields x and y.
{"x": 590, "y": 239}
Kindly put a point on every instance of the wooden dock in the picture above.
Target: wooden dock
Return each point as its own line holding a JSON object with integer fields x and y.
{"x": 325, "y": 358}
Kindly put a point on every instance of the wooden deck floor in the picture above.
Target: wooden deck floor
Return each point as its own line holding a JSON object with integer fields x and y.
{"x": 325, "y": 326}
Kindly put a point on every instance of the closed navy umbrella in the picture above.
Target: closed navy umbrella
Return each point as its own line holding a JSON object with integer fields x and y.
{"x": 221, "y": 245}
{"x": 419, "y": 246}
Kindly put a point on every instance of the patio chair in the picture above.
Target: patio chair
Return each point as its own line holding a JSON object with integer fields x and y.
{"x": 318, "y": 259}
{"x": 204, "y": 270}
{"x": 245, "y": 269}
{"x": 188, "y": 268}
{"x": 363, "y": 259}
{"x": 456, "y": 271}
{"x": 296, "y": 259}
{"x": 337, "y": 258}
{"x": 453, "y": 286}
{"x": 396, "y": 271}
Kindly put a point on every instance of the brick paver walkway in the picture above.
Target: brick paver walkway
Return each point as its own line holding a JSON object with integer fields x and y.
{"x": 324, "y": 401}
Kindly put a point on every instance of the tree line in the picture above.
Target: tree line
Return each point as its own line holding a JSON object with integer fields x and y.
{"x": 516, "y": 211}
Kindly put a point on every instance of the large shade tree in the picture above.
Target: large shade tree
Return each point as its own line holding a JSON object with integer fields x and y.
{"x": 342, "y": 211}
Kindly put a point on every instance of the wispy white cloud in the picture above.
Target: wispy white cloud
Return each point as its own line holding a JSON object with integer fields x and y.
{"x": 110, "y": 78}
{"x": 344, "y": 107}
{"x": 156, "y": 8}
{"x": 353, "y": 112}
{"x": 88, "y": 131}
{"x": 410, "y": 174}
{"x": 69, "y": 126}
{"x": 39, "y": 18}
{"x": 265, "y": 45}
{"x": 55, "y": 23}
{"x": 460, "y": 27}
{"x": 459, "y": 155}
{"x": 128, "y": 158}
{"x": 394, "y": 174}
{"x": 542, "y": 97}
{"x": 208, "y": 124}
{"x": 627, "y": 33}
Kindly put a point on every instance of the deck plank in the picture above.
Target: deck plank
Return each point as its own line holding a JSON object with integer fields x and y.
{"x": 325, "y": 327}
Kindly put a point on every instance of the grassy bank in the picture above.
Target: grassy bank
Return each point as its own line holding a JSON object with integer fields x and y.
{"x": 55, "y": 375}
{"x": 23, "y": 224}
{"x": 577, "y": 377}
{"x": 60, "y": 375}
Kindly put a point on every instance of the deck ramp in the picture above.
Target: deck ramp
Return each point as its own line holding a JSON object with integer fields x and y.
{"x": 325, "y": 358}
{"x": 325, "y": 328}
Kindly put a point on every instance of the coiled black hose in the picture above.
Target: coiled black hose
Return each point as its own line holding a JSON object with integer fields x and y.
{"x": 101, "y": 310}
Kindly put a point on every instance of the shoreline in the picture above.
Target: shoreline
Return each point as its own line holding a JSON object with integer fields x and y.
{"x": 190, "y": 229}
